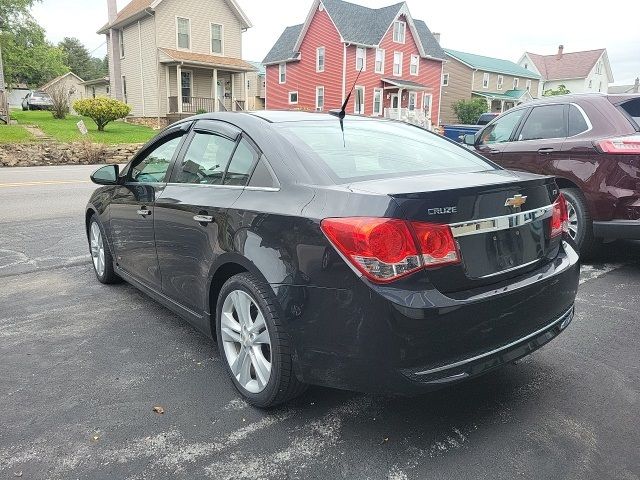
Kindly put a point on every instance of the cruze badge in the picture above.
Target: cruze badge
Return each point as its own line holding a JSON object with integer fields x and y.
{"x": 442, "y": 210}
{"x": 515, "y": 201}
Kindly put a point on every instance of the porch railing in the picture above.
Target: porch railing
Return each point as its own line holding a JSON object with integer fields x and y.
{"x": 221, "y": 106}
{"x": 191, "y": 104}
{"x": 415, "y": 117}
{"x": 240, "y": 105}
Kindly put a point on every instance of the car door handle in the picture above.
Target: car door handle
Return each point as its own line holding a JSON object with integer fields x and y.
{"x": 144, "y": 212}
{"x": 546, "y": 150}
{"x": 493, "y": 151}
{"x": 203, "y": 218}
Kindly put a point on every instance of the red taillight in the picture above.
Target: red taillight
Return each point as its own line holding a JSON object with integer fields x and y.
{"x": 621, "y": 145}
{"x": 385, "y": 249}
{"x": 560, "y": 218}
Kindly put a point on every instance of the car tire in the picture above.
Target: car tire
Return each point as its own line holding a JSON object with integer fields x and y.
{"x": 580, "y": 223}
{"x": 101, "y": 254}
{"x": 248, "y": 345}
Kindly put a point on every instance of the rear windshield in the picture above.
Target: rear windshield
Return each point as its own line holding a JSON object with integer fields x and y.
{"x": 632, "y": 108}
{"x": 376, "y": 149}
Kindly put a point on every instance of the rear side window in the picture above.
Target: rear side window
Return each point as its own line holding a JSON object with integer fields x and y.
{"x": 263, "y": 176}
{"x": 376, "y": 149}
{"x": 545, "y": 122}
{"x": 577, "y": 122}
{"x": 632, "y": 108}
{"x": 206, "y": 159}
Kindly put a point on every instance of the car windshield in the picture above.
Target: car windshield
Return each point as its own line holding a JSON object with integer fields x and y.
{"x": 373, "y": 149}
{"x": 40, "y": 95}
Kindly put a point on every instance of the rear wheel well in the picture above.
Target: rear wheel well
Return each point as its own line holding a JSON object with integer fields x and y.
{"x": 224, "y": 273}
{"x": 564, "y": 183}
{"x": 87, "y": 218}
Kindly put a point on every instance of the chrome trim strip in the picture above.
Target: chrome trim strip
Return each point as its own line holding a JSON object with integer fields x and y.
{"x": 564, "y": 316}
{"x": 504, "y": 222}
{"x": 227, "y": 187}
{"x": 495, "y": 274}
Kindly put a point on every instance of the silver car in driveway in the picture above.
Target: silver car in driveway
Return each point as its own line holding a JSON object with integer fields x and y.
{"x": 37, "y": 101}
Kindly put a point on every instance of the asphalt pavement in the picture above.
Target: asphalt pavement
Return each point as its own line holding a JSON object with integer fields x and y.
{"x": 82, "y": 366}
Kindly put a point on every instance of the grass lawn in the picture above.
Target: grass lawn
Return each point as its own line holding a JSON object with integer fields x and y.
{"x": 14, "y": 134}
{"x": 67, "y": 131}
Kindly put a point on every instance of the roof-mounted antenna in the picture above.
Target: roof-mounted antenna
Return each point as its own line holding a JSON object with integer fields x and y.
{"x": 343, "y": 111}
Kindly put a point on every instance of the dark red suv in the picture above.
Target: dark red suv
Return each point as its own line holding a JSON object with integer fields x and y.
{"x": 591, "y": 143}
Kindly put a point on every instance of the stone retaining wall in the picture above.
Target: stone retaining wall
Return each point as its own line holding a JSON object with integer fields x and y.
{"x": 51, "y": 153}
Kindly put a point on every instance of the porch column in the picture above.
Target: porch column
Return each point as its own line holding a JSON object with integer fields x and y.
{"x": 179, "y": 82}
{"x": 489, "y": 103}
{"x": 168, "y": 82}
{"x": 233, "y": 92}
{"x": 501, "y": 106}
{"x": 245, "y": 89}
{"x": 400, "y": 103}
{"x": 216, "y": 108}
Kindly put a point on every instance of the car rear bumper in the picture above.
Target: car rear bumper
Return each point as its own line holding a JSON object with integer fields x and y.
{"x": 363, "y": 338}
{"x": 618, "y": 229}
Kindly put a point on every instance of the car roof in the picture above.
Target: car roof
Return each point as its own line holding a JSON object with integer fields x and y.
{"x": 581, "y": 97}
{"x": 277, "y": 116}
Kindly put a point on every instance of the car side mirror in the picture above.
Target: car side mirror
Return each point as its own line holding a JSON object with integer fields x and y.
{"x": 469, "y": 139}
{"x": 107, "y": 175}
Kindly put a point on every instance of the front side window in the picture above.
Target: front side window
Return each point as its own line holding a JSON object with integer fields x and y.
{"x": 397, "y": 63}
{"x": 206, "y": 159}
{"x": 319, "y": 98}
{"x": 377, "y": 101}
{"x": 399, "y": 30}
{"x": 379, "y": 61}
{"x": 545, "y": 122}
{"x": 361, "y": 59}
{"x": 184, "y": 33}
{"x": 216, "y": 39}
{"x": 359, "y": 101}
{"x": 501, "y": 130}
{"x": 415, "y": 65}
{"x": 152, "y": 167}
{"x": 320, "y": 59}
{"x": 241, "y": 165}
{"x": 282, "y": 73}
{"x": 485, "y": 80}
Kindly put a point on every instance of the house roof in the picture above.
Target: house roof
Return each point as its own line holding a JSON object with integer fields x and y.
{"x": 259, "y": 67}
{"x": 568, "y": 66}
{"x": 57, "y": 79}
{"x": 396, "y": 82}
{"x": 207, "y": 60}
{"x": 97, "y": 81}
{"x": 491, "y": 64}
{"x": 357, "y": 25}
{"x": 134, "y": 8}
{"x": 621, "y": 89}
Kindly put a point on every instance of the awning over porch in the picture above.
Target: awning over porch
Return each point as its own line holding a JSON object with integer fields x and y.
{"x": 168, "y": 56}
{"x": 518, "y": 96}
{"x": 393, "y": 83}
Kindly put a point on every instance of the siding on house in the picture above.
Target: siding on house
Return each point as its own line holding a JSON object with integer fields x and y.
{"x": 507, "y": 84}
{"x": 459, "y": 88}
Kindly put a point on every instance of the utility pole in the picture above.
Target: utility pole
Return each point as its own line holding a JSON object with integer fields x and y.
{"x": 4, "y": 98}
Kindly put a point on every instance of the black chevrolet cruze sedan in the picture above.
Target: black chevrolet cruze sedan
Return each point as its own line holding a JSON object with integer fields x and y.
{"x": 361, "y": 254}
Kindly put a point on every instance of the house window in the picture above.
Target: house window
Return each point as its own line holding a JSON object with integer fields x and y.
{"x": 526, "y": 66}
{"x": 600, "y": 87}
{"x": 216, "y": 38}
{"x": 397, "y": 63}
{"x": 426, "y": 103}
{"x": 500, "y": 82}
{"x": 485, "y": 80}
{"x": 413, "y": 99}
{"x": 320, "y": 59}
{"x": 184, "y": 33}
{"x": 599, "y": 68}
{"x": 516, "y": 82}
{"x": 124, "y": 88}
{"x": 293, "y": 98}
{"x": 590, "y": 84}
{"x": 379, "y": 61}
{"x": 361, "y": 59}
{"x": 121, "y": 42}
{"x": 399, "y": 30}
{"x": 359, "y": 101}
{"x": 319, "y": 98}
{"x": 415, "y": 64}
{"x": 445, "y": 80}
{"x": 528, "y": 85}
{"x": 282, "y": 73}
{"x": 377, "y": 101}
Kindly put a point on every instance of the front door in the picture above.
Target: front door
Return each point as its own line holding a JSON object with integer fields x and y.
{"x": 186, "y": 86}
{"x": 394, "y": 100}
{"x": 132, "y": 210}
{"x": 192, "y": 227}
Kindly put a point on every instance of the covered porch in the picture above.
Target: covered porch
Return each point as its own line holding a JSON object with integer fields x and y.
{"x": 501, "y": 102}
{"x": 198, "y": 83}
{"x": 407, "y": 101}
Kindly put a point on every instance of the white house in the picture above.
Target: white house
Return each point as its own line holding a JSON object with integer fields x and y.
{"x": 579, "y": 72}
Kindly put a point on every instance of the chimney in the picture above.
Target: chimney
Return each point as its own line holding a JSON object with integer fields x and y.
{"x": 636, "y": 86}
{"x": 115, "y": 70}
{"x": 560, "y": 49}
{"x": 437, "y": 37}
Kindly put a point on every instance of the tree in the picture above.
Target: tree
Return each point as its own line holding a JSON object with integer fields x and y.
{"x": 468, "y": 111}
{"x": 102, "y": 110}
{"x": 77, "y": 58}
{"x": 10, "y": 10}
{"x": 561, "y": 90}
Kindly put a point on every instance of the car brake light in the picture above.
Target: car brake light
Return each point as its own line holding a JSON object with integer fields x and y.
{"x": 560, "y": 217}
{"x": 622, "y": 145}
{"x": 385, "y": 249}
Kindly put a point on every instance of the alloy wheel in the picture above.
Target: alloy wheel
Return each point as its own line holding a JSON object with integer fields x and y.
{"x": 97, "y": 249}
{"x": 246, "y": 341}
{"x": 573, "y": 220}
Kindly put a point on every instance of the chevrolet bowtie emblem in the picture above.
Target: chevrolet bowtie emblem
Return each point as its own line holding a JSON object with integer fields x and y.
{"x": 515, "y": 201}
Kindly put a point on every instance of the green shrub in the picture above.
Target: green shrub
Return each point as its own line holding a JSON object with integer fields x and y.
{"x": 200, "y": 111}
{"x": 102, "y": 110}
{"x": 468, "y": 111}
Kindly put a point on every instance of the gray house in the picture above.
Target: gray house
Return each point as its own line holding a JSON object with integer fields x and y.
{"x": 172, "y": 58}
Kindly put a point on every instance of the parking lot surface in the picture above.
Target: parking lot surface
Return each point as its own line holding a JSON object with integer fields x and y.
{"x": 83, "y": 365}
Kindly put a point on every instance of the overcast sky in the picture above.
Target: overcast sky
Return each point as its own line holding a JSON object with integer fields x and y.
{"x": 465, "y": 25}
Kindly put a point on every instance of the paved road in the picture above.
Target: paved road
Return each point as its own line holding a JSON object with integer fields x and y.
{"x": 82, "y": 365}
